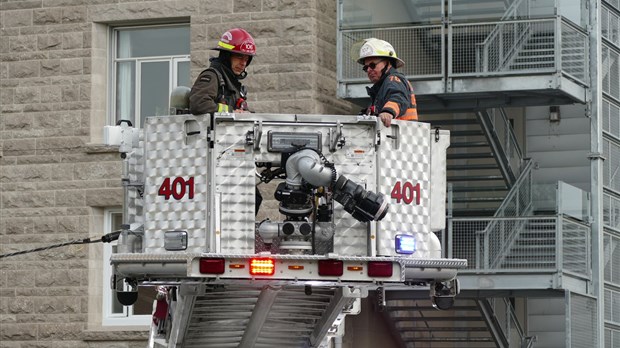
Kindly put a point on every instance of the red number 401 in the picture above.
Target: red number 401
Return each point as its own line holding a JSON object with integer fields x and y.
{"x": 406, "y": 192}
{"x": 177, "y": 188}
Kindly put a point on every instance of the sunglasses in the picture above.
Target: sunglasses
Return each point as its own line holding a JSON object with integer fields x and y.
{"x": 371, "y": 66}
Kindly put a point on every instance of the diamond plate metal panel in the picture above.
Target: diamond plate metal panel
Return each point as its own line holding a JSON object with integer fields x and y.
{"x": 404, "y": 175}
{"x": 235, "y": 173}
{"x": 135, "y": 203}
{"x": 234, "y": 187}
{"x": 171, "y": 152}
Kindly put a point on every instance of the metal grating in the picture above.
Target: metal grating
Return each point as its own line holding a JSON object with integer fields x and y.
{"x": 575, "y": 248}
{"x": 611, "y": 72}
{"x": 517, "y": 244}
{"x": 610, "y": 22}
{"x": 611, "y": 249}
{"x": 583, "y": 321}
{"x": 612, "y": 338}
{"x": 501, "y": 47}
{"x": 614, "y": 3}
{"x": 612, "y": 306}
{"x": 221, "y": 317}
{"x": 611, "y": 211}
{"x": 420, "y": 47}
{"x": 611, "y": 166}
{"x": 611, "y": 117}
{"x": 574, "y": 49}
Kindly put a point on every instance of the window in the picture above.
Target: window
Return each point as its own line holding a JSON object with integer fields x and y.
{"x": 114, "y": 313}
{"x": 148, "y": 62}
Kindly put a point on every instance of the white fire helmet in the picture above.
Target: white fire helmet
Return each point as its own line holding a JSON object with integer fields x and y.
{"x": 377, "y": 48}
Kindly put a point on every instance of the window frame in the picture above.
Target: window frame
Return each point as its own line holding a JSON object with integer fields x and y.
{"x": 173, "y": 69}
{"x": 127, "y": 318}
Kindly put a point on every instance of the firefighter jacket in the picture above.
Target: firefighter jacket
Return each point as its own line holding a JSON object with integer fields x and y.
{"x": 216, "y": 89}
{"x": 393, "y": 94}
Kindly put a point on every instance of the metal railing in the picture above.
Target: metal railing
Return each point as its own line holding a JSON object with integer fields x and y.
{"x": 504, "y": 40}
{"x": 503, "y": 141}
{"x": 544, "y": 243}
{"x": 485, "y": 49}
{"x": 518, "y": 47}
{"x": 506, "y": 319}
{"x": 421, "y": 47}
{"x": 511, "y": 241}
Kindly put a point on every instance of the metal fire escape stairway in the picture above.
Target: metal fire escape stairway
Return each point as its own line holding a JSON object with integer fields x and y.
{"x": 469, "y": 323}
{"x": 479, "y": 173}
{"x": 255, "y": 316}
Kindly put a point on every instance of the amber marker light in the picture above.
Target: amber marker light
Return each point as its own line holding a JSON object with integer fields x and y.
{"x": 355, "y": 268}
{"x": 262, "y": 267}
{"x": 296, "y": 267}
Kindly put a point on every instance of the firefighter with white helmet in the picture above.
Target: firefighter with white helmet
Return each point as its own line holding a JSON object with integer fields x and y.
{"x": 391, "y": 94}
{"x": 218, "y": 88}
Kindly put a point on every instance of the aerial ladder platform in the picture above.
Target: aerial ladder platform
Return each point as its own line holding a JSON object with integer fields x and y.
{"x": 358, "y": 208}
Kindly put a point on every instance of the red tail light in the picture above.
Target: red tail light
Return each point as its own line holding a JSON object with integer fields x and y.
{"x": 262, "y": 267}
{"x": 379, "y": 269}
{"x": 331, "y": 268}
{"x": 212, "y": 266}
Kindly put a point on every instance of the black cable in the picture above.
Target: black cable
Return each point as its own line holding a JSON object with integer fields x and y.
{"x": 107, "y": 238}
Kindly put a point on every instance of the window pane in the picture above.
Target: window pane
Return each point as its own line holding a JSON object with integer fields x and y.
{"x": 144, "y": 304}
{"x": 183, "y": 74}
{"x": 154, "y": 89}
{"x": 125, "y": 90}
{"x": 154, "y": 41}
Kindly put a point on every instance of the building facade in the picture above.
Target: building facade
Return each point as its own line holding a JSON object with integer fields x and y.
{"x": 69, "y": 68}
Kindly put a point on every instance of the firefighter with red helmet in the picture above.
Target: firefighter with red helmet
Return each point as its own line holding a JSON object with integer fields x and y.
{"x": 219, "y": 88}
{"x": 391, "y": 94}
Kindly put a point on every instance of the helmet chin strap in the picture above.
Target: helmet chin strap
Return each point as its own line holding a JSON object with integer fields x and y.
{"x": 385, "y": 68}
{"x": 242, "y": 75}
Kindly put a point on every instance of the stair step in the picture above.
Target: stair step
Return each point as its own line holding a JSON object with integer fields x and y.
{"x": 469, "y": 212}
{"x": 475, "y": 178}
{"x": 477, "y": 199}
{"x": 441, "y": 318}
{"x": 430, "y": 308}
{"x": 462, "y": 133}
{"x": 449, "y": 339}
{"x": 451, "y": 122}
{"x": 469, "y": 155}
{"x": 479, "y": 189}
{"x": 471, "y": 166}
{"x": 443, "y": 329}
{"x": 466, "y": 144}
{"x": 530, "y": 64}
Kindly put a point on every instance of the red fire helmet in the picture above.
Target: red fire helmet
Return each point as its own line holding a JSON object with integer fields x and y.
{"x": 237, "y": 40}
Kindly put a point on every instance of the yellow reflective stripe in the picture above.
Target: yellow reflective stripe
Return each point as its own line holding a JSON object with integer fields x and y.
{"x": 225, "y": 45}
{"x": 222, "y": 107}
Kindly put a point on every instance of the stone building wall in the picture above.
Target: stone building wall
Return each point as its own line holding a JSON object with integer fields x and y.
{"x": 56, "y": 176}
